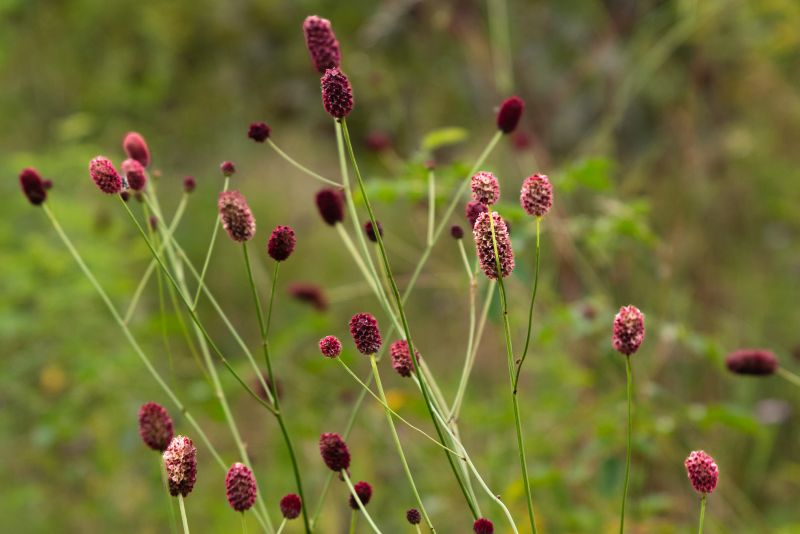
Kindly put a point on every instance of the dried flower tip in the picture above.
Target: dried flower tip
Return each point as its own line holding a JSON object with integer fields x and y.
{"x": 337, "y": 95}
{"x": 105, "y": 176}
{"x": 281, "y": 243}
{"x": 291, "y": 505}
{"x": 321, "y": 43}
{"x": 756, "y": 362}
{"x": 259, "y": 132}
{"x": 189, "y": 184}
{"x": 240, "y": 487}
{"x": 536, "y": 195}
{"x": 134, "y": 173}
{"x": 330, "y": 204}
{"x": 153, "y": 220}
{"x": 370, "y": 231}
{"x": 334, "y": 451}
{"x": 473, "y": 210}
{"x": 702, "y": 471}
{"x": 456, "y": 231}
{"x": 509, "y": 114}
{"x": 485, "y": 246}
{"x": 401, "y": 358}
{"x": 483, "y": 526}
{"x": 309, "y": 293}
{"x": 237, "y": 219}
{"x": 365, "y": 332}
{"x": 628, "y": 330}
{"x": 33, "y": 186}
{"x": 485, "y": 188}
{"x": 228, "y": 168}
{"x": 413, "y": 516}
{"x": 180, "y": 461}
{"x": 364, "y": 492}
{"x": 155, "y": 426}
{"x": 136, "y": 148}
{"x": 330, "y": 346}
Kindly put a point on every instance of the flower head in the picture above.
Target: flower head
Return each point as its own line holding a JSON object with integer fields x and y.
{"x": 155, "y": 426}
{"x": 240, "y": 487}
{"x": 136, "y": 148}
{"x": 180, "y": 461}
{"x": 33, "y": 187}
{"x": 228, "y": 168}
{"x": 370, "y": 231}
{"x": 456, "y": 231}
{"x": 536, "y": 195}
{"x": 364, "y": 492}
{"x": 237, "y": 219}
{"x": 509, "y": 114}
{"x": 401, "y": 358}
{"x": 291, "y": 505}
{"x": 756, "y": 362}
{"x": 189, "y": 183}
{"x": 259, "y": 132}
{"x": 485, "y": 246}
{"x": 485, "y": 188}
{"x": 134, "y": 173}
{"x": 413, "y": 516}
{"x": 378, "y": 141}
{"x": 125, "y": 195}
{"x": 702, "y": 471}
{"x": 281, "y": 243}
{"x": 330, "y": 346}
{"x": 365, "y": 332}
{"x": 472, "y": 210}
{"x": 309, "y": 293}
{"x": 628, "y": 330}
{"x": 105, "y": 176}
{"x": 330, "y": 204}
{"x": 321, "y": 43}
{"x": 483, "y": 526}
{"x": 334, "y": 451}
{"x": 337, "y": 95}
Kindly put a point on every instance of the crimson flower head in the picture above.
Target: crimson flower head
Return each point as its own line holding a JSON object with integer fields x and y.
{"x": 485, "y": 188}
{"x": 310, "y": 294}
{"x": 105, "y": 176}
{"x": 281, "y": 243}
{"x": 369, "y": 229}
{"x": 334, "y": 451}
{"x": 536, "y": 195}
{"x": 228, "y": 168}
{"x": 33, "y": 187}
{"x": 509, "y": 114}
{"x": 330, "y": 346}
{"x": 485, "y": 246}
{"x": 134, "y": 173}
{"x": 189, "y": 183}
{"x": 155, "y": 426}
{"x": 180, "y": 461}
{"x": 702, "y": 471}
{"x": 628, "y": 330}
{"x": 259, "y": 132}
{"x": 413, "y": 516}
{"x": 136, "y": 148}
{"x": 237, "y": 219}
{"x": 240, "y": 487}
{"x": 483, "y": 526}
{"x": 456, "y": 231}
{"x": 364, "y": 492}
{"x": 337, "y": 95}
{"x": 365, "y": 332}
{"x": 330, "y": 204}
{"x": 472, "y": 210}
{"x": 291, "y": 505}
{"x": 321, "y": 43}
{"x": 401, "y": 358}
{"x": 755, "y": 362}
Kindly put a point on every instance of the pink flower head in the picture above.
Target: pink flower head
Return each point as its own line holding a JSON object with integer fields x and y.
{"x": 364, "y": 492}
{"x": 155, "y": 426}
{"x": 702, "y": 471}
{"x": 321, "y": 43}
{"x": 189, "y": 184}
{"x": 309, "y": 293}
{"x": 509, "y": 114}
{"x": 485, "y": 246}
{"x": 628, "y": 330}
{"x": 281, "y": 243}
{"x": 291, "y": 505}
{"x": 334, "y": 451}
{"x": 330, "y": 204}
{"x": 237, "y": 219}
{"x": 755, "y": 362}
{"x": 180, "y": 461}
{"x": 413, "y": 516}
{"x": 240, "y": 487}
{"x": 365, "y": 332}
{"x": 134, "y": 173}
{"x": 483, "y": 526}
{"x": 259, "y": 132}
{"x": 536, "y": 195}
{"x": 136, "y": 148}
{"x": 369, "y": 229}
{"x": 330, "y": 346}
{"x": 337, "y": 95}
{"x": 485, "y": 188}
{"x": 228, "y": 168}
{"x": 472, "y": 210}
{"x": 105, "y": 176}
{"x": 401, "y": 358}
{"x": 33, "y": 187}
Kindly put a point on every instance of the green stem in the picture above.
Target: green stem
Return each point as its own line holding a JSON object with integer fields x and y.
{"x": 244, "y": 524}
{"x": 281, "y": 526}
{"x": 363, "y": 509}
{"x": 702, "y": 513}
{"x": 300, "y": 167}
{"x": 210, "y": 251}
{"x": 353, "y": 521}
{"x": 431, "y": 204}
{"x": 499, "y": 35}
{"x": 530, "y": 309}
{"x": 629, "y": 388}
{"x": 172, "y": 517}
{"x": 183, "y": 515}
{"x": 789, "y": 376}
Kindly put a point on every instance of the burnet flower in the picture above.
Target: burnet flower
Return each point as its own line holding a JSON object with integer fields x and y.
{"x": 240, "y": 487}
{"x": 482, "y": 232}
{"x": 180, "y": 461}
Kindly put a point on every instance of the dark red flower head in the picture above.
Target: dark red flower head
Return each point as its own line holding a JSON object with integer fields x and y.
{"x": 509, "y": 114}
{"x": 180, "y": 461}
{"x": 153, "y": 220}
{"x": 365, "y": 332}
{"x": 126, "y": 196}
{"x": 483, "y": 526}
{"x": 456, "y": 231}
{"x": 370, "y": 231}
{"x": 227, "y": 168}
{"x": 337, "y": 95}
{"x": 281, "y": 243}
{"x": 189, "y": 183}
{"x": 401, "y": 358}
{"x": 47, "y": 184}
{"x": 485, "y": 246}
{"x": 240, "y": 487}
{"x": 378, "y": 141}
{"x": 155, "y": 426}
{"x": 136, "y": 148}
{"x": 291, "y": 505}
{"x": 702, "y": 471}
{"x": 321, "y": 43}
{"x": 628, "y": 330}
{"x": 237, "y": 219}
{"x": 330, "y": 346}
{"x": 485, "y": 188}
{"x": 33, "y": 186}
{"x": 330, "y": 204}
{"x": 334, "y": 451}
{"x": 105, "y": 176}
{"x": 259, "y": 132}
{"x": 413, "y": 516}
{"x": 757, "y": 362}
{"x": 309, "y": 293}
{"x": 134, "y": 173}
{"x": 536, "y": 195}
{"x": 364, "y": 492}
{"x": 473, "y": 210}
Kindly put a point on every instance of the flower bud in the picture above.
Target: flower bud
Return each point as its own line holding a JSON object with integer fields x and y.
{"x": 237, "y": 219}
{"x": 365, "y": 332}
{"x": 180, "y": 461}
{"x": 509, "y": 114}
{"x": 105, "y": 176}
{"x": 134, "y": 173}
{"x": 536, "y": 195}
{"x": 330, "y": 204}
{"x": 321, "y": 43}
{"x": 330, "y": 346}
{"x": 281, "y": 243}
{"x": 628, "y": 331}
{"x": 136, "y": 148}
{"x": 259, "y": 132}
{"x": 483, "y": 526}
{"x": 755, "y": 362}
{"x": 240, "y": 487}
{"x": 485, "y": 188}
{"x": 33, "y": 187}
{"x": 155, "y": 426}
{"x": 702, "y": 471}
{"x": 364, "y": 492}
{"x": 291, "y": 505}
{"x": 485, "y": 246}
{"x": 334, "y": 451}
{"x": 401, "y": 358}
{"x": 337, "y": 95}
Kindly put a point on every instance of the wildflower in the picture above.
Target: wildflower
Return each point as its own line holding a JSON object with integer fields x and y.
{"x": 337, "y": 95}
{"x": 240, "y": 487}
{"x": 237, "y": 219}
{"x": 365, "y": 333}
{"x": 485, "y": 188}
{"x": 413, "y": 516}
{"x": 702, "y": 471}
{"x": 47, "y": 184}
{"x": 125, "y": 196}
{"x": 189, "y": 183}
{"x": 485, "y": 246}
{"x": 321, "y": 43}
{"x": 483, "y": 526}
{"x": 281, "y": 243}
{"x": 291, "y": 506}
{"x": 228, "y": 168}
{"x": 472, "y": 210}
{"x": 105, "y": 176}
{"x": 136, "y": 148}
{"x": 364, "y": 492}
{"x": 334, "y": 451}
{"x": 134, "y": 173}
{"x": 628, "y": 330}
{"x": 378, "y": 141}
{"x": 370, "y": 231}
{"x": 330, "y": 346}
{"x": 536, "y": 195}
{"x": 401, "y": 358}
{"x": 259, "y": 132}
{"x": 509, "y": 114}
{"x": 309, "y": 293}
{"x": 756, "y": 362}
{"x": 33, "y": 186}
{"x": 155, "y": 426}
{"x": 456, "y": 231}
{"x": 330, "y": 204}
{"x": 180, "y": 461}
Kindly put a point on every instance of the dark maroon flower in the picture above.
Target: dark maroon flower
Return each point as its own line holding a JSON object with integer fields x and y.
{"x": 756, "y": 362}
{"x": 536, "y": 195}
{"x": 334, "y": 451}
{"x": 330, "y": 204}
{"x": 259, "y": 132}
{"x": 237, "y": 219}
{"x": 240, "y": 487}
{"x": 153, "y": 220}
{"x": 47, "y": 184}
{"x": 702, "y": 471}
{"x": 309, "y": 293}
{"x": 321, "y": 43}
{"x": 337, "y": 95}
{"x": 485, "y": 246}
{"x": 413, "y": 516}
{"x": 227, "y": 168}
{"x": 378, "y": 141}
{"x": 485, "y": 188}
{"x": 155, "y": 426}
{"x": 483, "y": 526}
{"x": 456, "y": 231}
{"x": 364, "y": 492}
{"x": 401, "y": 358}
{"x": 473, "y": 210}
{"x": 370, "y": 231}
{"x": 33, "y": 186}
{"x": 330, "y": 346}
{"x": 126, "y": 196}
{"x": 134, "y": 173}
{"x": 189, "y": 183}
{"x": 628, "y": 330}
{"x": 291, "y": 505}
{"x": 365, "y": 332}
{"x": 136, "y": 148}
{"x": 281, "y": 243}
{"x": 259, "y": 388}
{"x": 521, "y": 141}
{"x": 180, "y": 461}
{"x": 105, "y": 176}
{"x": 509, "y": 114}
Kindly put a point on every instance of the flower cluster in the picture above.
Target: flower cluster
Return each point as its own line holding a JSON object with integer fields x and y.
{"x": 236, "y": 217}
{"x": 365, "y": 332}
{"x": 628, "y": 331}
{"x": 240, "y": 487}
{"x": 702, "y": 471}
{"x": 334, "y": 451}
{"x": 155, "y": 426}
{"x": 485, "y": 245}
{"x": 180, "y": 461}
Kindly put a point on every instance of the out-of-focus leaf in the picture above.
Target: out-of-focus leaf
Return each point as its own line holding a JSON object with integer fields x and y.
{"x": 444, "y": 137}
{"x": 593, "y": 173}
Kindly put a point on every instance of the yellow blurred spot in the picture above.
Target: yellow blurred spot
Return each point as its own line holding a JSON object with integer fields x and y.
{"x": 52, "y": 379}
{"x": 396, "y": 399}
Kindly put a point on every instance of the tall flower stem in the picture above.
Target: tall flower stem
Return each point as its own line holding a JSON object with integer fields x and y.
{"x": 353, "y": 521}
{"x": 183, "y": 515}
{"x": 244, "y": 524}
{"x": 431, "y": 205}
{"x": 702, "y": 513}
{"x": 172, "y": 517}
{"x": 530, "y": 309}
{"x": 210, "y": 250}
{"x": 300, "y": 167}
{"x": 264, "y": 327}
{"x": 281, "y": 526}
{"x": 789, "y": 376}
{"x": 361, "y": 506}
{"x": 629, "y": 374}
{"x": 397, "y": 444}
{"x": 499, "y": 35}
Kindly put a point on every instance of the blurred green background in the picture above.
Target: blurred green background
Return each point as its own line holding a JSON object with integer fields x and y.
{"x": 669, "y": 129}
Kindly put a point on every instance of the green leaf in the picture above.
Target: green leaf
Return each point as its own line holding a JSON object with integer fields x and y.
{"x": 444, "y": 137}
{"x": 593, "y": 173}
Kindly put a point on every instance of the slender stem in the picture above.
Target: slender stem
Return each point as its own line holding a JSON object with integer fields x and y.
{"x": 464, "y": 258}
{"x": 244, "y": 524}
{"x": 161, "y": 308}
{"x": 271, "y": 303}
{"x": 363, "y": 509}
{"x": 431, "y": 205}
{"x": 210, "y": 251}
{"x": 789, "y": 376}
{"x": 280, "y": 527}
{"x": 629, "y": 375}
{"x": 183, "y": 514}
{"x": 530, "y": 309}
{"x": 499, "y": 35}
{"x": 300, "y": 167}
{"x": 353, "y": 521}
{"x": 418, "y": 529}
{"x": 164, "y": 482}
{"x": 702, "y": 513}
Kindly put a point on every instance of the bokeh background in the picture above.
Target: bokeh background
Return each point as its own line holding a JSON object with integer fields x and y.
{"x": 669, "y": 129}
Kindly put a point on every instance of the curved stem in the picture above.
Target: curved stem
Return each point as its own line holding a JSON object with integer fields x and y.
{"x": 530, "y": 309}
{"x": 281, "y": 526}
{"x": 210, "y": 250}
{"x": 300, "y": 167}
{"x": 702, "y": 513}
{"x": 789, "y": 376}
{"x": 347, "y": 481}
{"x": 183, "y": 515}
{"x": 431, "y": 205}
{"x": 629, "y": 388}
{"x": 172, "y": 517}
{"x": 353, "y": 521}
